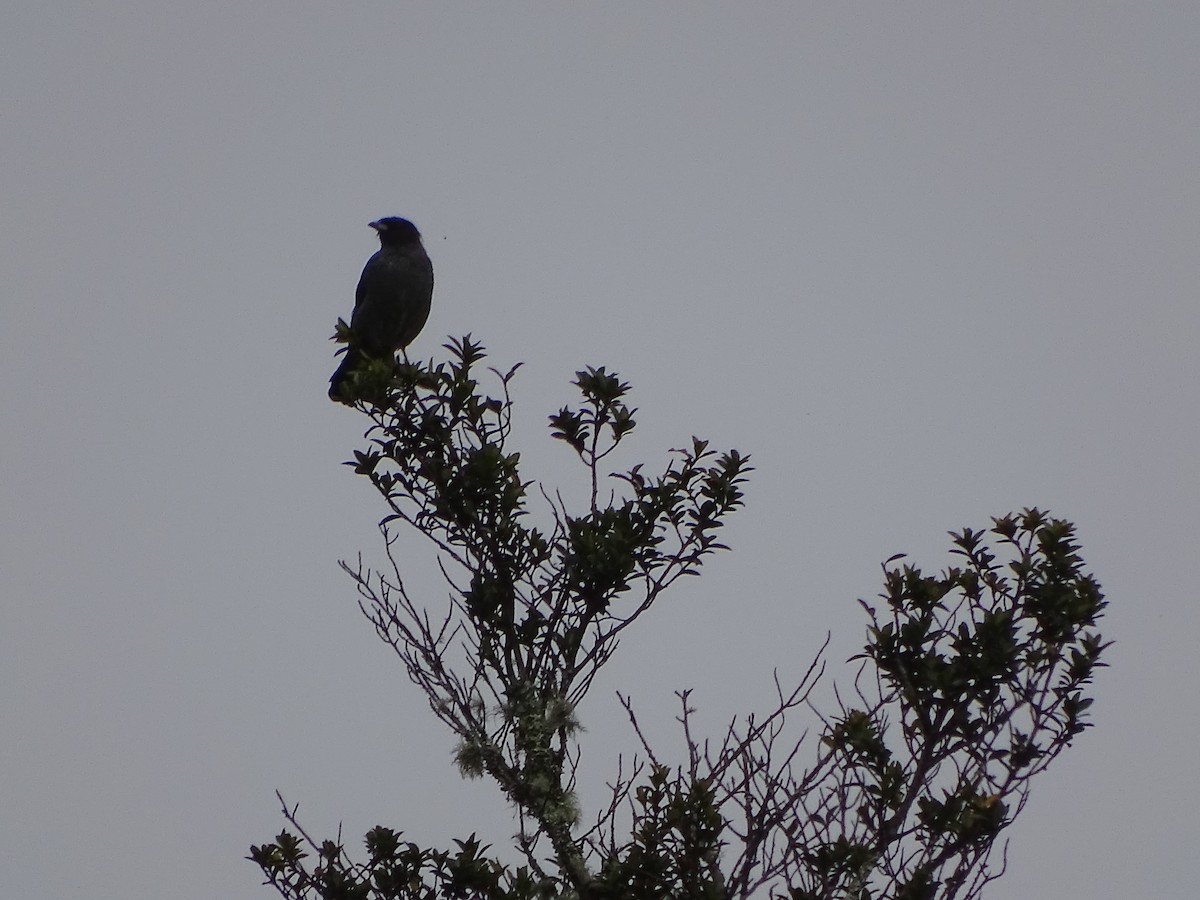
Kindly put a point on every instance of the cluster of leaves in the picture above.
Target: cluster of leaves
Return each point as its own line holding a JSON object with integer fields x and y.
{"x": 971, "y": 682}
{"x": 535, "y": 611}
{"x": 394, "y": 870}
{"x": 675, "y": 845}
{"x": 539, "y": 605}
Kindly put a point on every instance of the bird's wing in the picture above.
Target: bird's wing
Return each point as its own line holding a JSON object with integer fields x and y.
{"x": 392, "y": 300}
{"x": 364, "y": 283}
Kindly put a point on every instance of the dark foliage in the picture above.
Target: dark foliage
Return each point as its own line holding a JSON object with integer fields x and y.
{"x": 972, "y": 680}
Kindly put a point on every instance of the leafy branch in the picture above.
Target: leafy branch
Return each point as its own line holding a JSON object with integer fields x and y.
{"x": 971, "y": 682}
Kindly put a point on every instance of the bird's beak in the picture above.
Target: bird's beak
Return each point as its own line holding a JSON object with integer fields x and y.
{"x": 378, "y": 226}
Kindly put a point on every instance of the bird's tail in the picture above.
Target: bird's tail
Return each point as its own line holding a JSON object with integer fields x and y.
{"x": 340, "y": 382}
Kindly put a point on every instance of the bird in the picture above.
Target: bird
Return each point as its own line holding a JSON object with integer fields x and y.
{"x": 391, "y": 304}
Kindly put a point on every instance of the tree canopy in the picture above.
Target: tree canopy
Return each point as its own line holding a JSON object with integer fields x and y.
{"x": 972, "y": 680}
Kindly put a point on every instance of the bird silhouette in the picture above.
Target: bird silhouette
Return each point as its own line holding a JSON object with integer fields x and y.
{"x": 391, "y": 304}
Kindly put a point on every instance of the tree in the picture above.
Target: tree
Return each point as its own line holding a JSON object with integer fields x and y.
{"x": 971, "y": 682}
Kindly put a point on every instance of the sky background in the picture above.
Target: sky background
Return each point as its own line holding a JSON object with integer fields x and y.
{"x": 928, "y": 263}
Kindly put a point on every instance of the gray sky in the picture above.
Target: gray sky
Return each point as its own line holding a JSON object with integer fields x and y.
{"x": 927, "y": 263}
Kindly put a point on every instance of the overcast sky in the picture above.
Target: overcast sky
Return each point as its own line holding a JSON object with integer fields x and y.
{"x": 927, "y": 263}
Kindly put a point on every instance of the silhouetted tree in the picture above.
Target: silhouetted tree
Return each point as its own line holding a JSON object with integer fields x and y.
{"x": 971, "y": 681}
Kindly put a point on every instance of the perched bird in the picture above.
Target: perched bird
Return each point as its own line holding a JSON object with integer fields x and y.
{"x": 391, "y": 303}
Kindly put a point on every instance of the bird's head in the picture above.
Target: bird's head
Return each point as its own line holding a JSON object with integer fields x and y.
{"x": 396, "y": 232}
